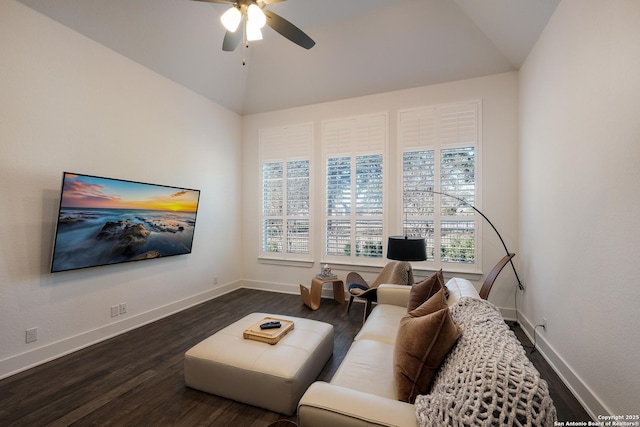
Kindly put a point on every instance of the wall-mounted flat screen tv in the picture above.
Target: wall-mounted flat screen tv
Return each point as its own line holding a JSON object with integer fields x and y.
{"x": 109, "y": 221}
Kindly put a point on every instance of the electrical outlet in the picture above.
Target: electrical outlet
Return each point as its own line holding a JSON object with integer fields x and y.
{"x": 31, "y": 335}
{"x": 544, "y": 323}
{"x": 123, "y": 308}
{"x": 115, "y": 310}
{"x": 215, "y": 280}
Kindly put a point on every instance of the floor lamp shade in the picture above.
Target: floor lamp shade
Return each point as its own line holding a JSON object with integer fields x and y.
{"x": 403, "y": 248}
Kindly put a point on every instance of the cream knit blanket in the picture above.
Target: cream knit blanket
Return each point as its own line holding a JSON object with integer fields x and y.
{"x": 487, "y": 379}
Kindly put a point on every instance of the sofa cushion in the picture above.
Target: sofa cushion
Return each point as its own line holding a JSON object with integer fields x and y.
{"x": 382, "y": 324}
{"x": 367, "y": 367}
{"x": 422, "y": 291}
{"x": 422, "y": 344}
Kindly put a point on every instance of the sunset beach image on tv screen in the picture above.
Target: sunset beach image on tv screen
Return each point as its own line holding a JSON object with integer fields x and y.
{"x": 108, "y": 221}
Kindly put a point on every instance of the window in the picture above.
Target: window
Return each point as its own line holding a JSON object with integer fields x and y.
{"x": 440, "y": 153}
{"x": 285, "y": 158}
{"x": 354, "y": 188}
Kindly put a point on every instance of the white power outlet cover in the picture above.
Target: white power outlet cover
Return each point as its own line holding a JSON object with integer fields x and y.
{"x": 123, "y": 308}
{"x": 115, "y": 310}
{"x": 32, "y": 335}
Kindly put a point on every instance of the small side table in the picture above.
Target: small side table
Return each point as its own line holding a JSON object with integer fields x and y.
{"x": 311, "y": 296}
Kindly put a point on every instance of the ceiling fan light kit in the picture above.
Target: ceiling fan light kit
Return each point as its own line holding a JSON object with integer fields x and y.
{"x": 231, "y": 19}
{"x": 255, "y": 16}
{"x": 253, "y": 32}
{"x": 255, "y": 21}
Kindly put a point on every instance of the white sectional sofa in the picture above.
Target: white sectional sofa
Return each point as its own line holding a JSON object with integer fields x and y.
{"x": 362, "y": 392}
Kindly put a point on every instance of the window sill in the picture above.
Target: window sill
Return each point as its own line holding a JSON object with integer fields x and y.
{"x": 418, "y": 272}
{"x": 286, "y": 262}
{"x": 469, "y": 275}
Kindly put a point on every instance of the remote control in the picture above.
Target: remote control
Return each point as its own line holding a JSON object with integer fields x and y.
{"x": 270, "y": 325}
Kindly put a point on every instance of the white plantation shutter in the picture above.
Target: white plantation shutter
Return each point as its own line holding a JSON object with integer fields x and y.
{"x": 354, "y": 136}
{"x": 418, "y": 203}
{"x": 353, "y": 151}
{"x": 272, "y": 204}
{"x": 337, "y": 138}
{"x": 285, "y": 158}
{"x": 338, "y": 186}
{"x": 418, "y": 128}
{"x": 369, "y": 185}
{"x": 457, "y": 178}
{"x": 272, "y": 187}
{"x": 291, "y": 142}
{"x": 440, "y": 146}
{"x": 298, "y": 188}
{"x": 458, "y": 124}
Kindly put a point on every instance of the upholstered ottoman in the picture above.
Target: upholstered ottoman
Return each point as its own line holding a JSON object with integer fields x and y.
{"x": 273, "y": 377}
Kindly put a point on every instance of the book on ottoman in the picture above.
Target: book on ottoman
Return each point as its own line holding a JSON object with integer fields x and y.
{"x": 270, "y": 336}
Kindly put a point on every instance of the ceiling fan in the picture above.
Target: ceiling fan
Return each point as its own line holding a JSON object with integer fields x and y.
{"x": 247, "y": 17}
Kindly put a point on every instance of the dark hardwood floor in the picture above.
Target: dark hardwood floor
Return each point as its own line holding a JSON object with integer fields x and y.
{"x": 567, "y": 406}
{"x": 136, "y": 379}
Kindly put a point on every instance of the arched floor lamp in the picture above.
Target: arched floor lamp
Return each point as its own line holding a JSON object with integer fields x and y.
{"x": 509, "y": 255}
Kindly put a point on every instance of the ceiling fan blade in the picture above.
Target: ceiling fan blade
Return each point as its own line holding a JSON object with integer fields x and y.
{"x": 288, "y": 30}
{"x": 271, "y": 1}
{"x": 232, "y": 40}
{"x": 218, "y": 1}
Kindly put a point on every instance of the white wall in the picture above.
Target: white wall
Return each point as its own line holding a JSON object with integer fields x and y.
{"x": 68, "y": 103}
{"x": 579, "y": 158}
{"x": 498, "y": 94}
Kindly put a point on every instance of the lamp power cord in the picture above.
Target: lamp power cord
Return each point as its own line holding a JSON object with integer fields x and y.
{"x": 534, "y": 336}
{"x": 517, "y": 323}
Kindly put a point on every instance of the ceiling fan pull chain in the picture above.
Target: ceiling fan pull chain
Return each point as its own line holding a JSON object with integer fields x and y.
{"x": 245, "y": 42}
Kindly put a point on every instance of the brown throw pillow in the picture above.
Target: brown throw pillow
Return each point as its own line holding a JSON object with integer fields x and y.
{"x": 421, "y": 346}
{"x": 420, "y": 292}
{"x": 438, "y": 301}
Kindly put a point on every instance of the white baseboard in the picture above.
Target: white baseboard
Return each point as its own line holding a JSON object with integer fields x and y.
{"x": 574, "y": 383}
{"x": 285, "y": 288}
{"x": 22, "y": 362}
{"x": 508, "y": 313}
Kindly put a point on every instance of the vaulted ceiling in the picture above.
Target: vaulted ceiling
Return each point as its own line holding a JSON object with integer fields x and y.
{"x": 362, "y": 46}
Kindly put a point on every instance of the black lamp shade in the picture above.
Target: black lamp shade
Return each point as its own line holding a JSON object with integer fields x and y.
{"x": 403, "y": 248}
